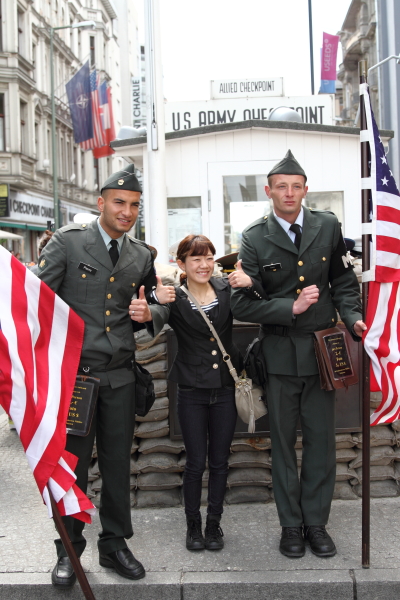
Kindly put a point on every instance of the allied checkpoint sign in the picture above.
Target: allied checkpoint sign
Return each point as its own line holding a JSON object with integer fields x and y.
{"x": 187, "y": 115}
{"x": 247, "y": 88}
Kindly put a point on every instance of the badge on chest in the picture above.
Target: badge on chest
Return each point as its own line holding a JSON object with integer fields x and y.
{"x": 272, "y": 267}
{"x": 87, "y": 268}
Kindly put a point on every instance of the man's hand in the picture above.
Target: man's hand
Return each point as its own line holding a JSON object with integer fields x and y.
{"x": 239, "y": 279}
{"x": 359, "y": 327}
{"x": 309, "y": 295}
{"x": 139, "y": 309}
{"x": 165, "y": 293}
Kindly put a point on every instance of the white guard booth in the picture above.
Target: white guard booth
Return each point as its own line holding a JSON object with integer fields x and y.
{"x": 216, "y": 175}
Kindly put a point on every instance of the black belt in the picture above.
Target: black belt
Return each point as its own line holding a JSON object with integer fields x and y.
{"x": 284, "y": 331}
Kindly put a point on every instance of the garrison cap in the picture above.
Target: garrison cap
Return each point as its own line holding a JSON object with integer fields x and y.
{"x": 288, "y": 166}
{"x": 123, "y": 180}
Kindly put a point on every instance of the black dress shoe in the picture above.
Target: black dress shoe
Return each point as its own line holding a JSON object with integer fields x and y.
{"x": 213, "y": 533}
{"x": 63, "y": 575}
{"x": 321, "y": 543}
{"x": 292, "y": 542}
{"x": 194, "y": 535}
{"x": 124, "y": 563}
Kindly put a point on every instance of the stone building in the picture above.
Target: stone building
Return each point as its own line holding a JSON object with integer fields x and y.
{"x": 25, "y": 105}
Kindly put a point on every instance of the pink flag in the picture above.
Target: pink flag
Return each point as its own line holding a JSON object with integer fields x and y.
{"x": 328, "y": 57}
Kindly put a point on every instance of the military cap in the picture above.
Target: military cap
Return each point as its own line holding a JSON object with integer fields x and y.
{"x": 123, "y": 180}
{"x": 288, "y": 166}
{"x": 228, "y": 262}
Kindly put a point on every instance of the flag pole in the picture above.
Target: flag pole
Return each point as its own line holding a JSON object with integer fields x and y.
{"x": 73, "y": 557}
{"x": 365, "y": 384}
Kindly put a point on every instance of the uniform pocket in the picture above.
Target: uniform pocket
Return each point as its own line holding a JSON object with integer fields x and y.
{"x": 319, "y": 258}
{"x": 325, "y": 315}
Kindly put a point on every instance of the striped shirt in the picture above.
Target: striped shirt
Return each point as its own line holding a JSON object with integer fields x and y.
{"x": 207, "y": 307}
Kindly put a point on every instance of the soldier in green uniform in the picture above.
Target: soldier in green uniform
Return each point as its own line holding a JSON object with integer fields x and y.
{"x": 297, "y": 261}
{"x": 96, "y": 268}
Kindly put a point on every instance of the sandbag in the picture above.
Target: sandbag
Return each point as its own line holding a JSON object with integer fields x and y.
{"x": 133, "y": 482}
{"x": 134, "y": 466}
{"x": 152, "y": 429}
{"x": 397, "y": 471}
{"x": 380, "y": 489}
{"x": 345, "y": 455}
{"x": 381, "y": 435}
{"x": 396, "y": 454}
{"x": 377, "y": 473}
{"x": 149, "y": 354}
{"x": 144, "y": 340}
{"x": 237, "y": 495}
{"x": 375, "y": 398}
{"x": 89, "y": 492}
{"x": 159, "y": 481}
{"x": 96, "y": 485}
{"x": 343, "y": 472}
{"x": 253, "y": 477}
{"x": 135, "y": 445}
{"x": 380, "y": 455}
{"x": 132, "y": 497}
{"x": 94, "y": 451}
{"x": 164, "y": 444}
{"x": 254, "y": 444}
{"x": 96, "y": 500}
{"x": 158, "y": 498}
{"x": 160, "y": 387}
{"x": 345, "y": 440}
{"x": 158, "y": 369}
{"x": 249, "y": 459}
{"x": 158, "y": 412}
{"x": 94, "y": 471}
{"x": 158, "y": 463}
{"x": 344, "y": 491}
{"x": 397, "y": 438}
{"x": 299, "y": 442}
{"x": 395, "y": 425}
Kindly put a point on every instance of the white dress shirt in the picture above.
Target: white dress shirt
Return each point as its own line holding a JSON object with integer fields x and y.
{"x": 286, "y": 225}
{"x": 107, "y": 239}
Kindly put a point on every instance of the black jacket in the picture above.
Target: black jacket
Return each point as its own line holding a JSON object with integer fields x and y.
{"x": 198, "y": 362}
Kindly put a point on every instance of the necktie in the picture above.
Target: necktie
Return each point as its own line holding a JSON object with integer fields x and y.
{"x": 297, "y": 230}
{"x": 113, "y": 252}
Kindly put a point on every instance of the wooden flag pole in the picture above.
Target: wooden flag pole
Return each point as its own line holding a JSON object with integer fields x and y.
{"x": 365, "y": 210}
{"x": 73, "y": 557}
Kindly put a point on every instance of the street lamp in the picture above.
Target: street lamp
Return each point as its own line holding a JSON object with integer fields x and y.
{"x": 81, "y": 25}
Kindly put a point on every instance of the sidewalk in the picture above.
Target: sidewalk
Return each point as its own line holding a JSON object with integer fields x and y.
{"x": 249, "y": 568}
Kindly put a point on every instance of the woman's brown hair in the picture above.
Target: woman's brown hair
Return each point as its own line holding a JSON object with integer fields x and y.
{"x": 194, "y": 245}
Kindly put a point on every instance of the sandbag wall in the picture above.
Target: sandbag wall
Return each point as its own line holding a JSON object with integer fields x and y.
{"x": 157, "y": 462}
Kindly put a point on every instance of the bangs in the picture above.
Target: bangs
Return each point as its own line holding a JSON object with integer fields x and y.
{"x": 194, "y": 245}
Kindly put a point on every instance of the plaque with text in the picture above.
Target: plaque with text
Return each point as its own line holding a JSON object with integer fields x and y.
{"x": 83, "y": 403}
{"x": 337, "y": 351}
{"x": 4, "y": 205}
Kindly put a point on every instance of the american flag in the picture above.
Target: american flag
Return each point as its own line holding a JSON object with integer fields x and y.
{"x": 40, "y": 346}
{"x": 107, "y": 118}
{"x": 382, "y": 338}
{"x": 98, "y": 138}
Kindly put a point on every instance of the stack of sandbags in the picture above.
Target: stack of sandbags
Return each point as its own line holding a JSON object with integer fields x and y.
{"x": 249, "y": 475}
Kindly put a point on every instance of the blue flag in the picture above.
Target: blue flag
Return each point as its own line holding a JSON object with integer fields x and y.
{"x": 80, "y": 104}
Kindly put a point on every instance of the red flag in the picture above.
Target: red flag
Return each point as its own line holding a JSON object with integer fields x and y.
{"x": 107, "y": 117}
{"x": 98, "y": 138}
{"x": 40, "y": 345}
{"x": 381, "y": 340}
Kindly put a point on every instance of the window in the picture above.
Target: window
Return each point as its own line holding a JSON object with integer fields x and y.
{"x": 2, "y": 125}
{"x": 21, "y": 38}
{"x": 92, "y": 51}
{"x": 184, "y": 217}
{"x": 24, "y": 128}
{"x": 332, "y": 201}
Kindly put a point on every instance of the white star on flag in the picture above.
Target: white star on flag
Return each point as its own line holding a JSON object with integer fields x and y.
{"x": 383, "y": 159}
{"x": 385, "y": 181}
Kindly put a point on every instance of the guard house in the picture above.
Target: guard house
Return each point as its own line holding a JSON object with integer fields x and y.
{"x": 216, "y": 174}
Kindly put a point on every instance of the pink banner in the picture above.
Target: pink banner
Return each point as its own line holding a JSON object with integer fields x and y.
{"x": 328, "y": 56}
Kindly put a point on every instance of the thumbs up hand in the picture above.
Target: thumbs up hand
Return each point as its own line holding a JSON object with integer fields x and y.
{"x": 139, "y": 310}
{"x": 165, "y": 293}
{"x": 238, "y": 278}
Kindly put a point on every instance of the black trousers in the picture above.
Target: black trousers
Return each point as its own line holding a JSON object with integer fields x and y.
{"x": 201, "y": 412}
{"x": 113, "y": 425}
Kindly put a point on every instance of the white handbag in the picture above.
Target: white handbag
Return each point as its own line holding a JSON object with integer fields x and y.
{"x": 249, "y": 399}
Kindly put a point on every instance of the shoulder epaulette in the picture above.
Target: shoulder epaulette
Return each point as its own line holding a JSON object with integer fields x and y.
{"x": 320, "y": 211}
{"x": 71, "y": 226}
{"x": 140, "y": 242}
{"x": 259, "y": 221}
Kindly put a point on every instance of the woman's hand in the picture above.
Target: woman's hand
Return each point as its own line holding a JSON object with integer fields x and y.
{"x": 239, "y": 279}
{"x": 139, "y": 310}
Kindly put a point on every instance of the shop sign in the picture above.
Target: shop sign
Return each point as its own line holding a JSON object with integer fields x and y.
{"x": 247, "y": 88}
{"x": 25, "y": 208}
{"x": 138, "y": 117}
{"x": 4, "y": 207}
{"x": 187, "y": 115}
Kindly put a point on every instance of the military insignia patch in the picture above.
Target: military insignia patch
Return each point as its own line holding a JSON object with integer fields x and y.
{"x": 42, "y": 263}
{"x": 120, "y": 182}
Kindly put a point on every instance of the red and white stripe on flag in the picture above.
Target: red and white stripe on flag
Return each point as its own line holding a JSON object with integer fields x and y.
{"x": 381, "y": 341}
{"x": 98, "y": 138}
{"x": 40, "y": 345}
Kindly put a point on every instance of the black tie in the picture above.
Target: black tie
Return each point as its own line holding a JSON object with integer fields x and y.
{"x": 297, "y": 230}
{"x": 113, "y": 252}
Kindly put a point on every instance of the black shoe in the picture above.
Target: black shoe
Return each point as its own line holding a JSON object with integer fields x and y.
{"x": 292, "y": 542}
{"x": 194, "y": 536}
{"x": 63, "y": 575}
{"x": 124, "y": 563}
{"x": 213, "y": 533}
{"x": 321, "y": 543}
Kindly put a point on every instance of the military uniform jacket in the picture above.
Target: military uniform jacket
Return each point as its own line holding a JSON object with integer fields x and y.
{"x": 280, "y": 272}
{"x": 198, "y": 362}
{"x": 77, "y": 266}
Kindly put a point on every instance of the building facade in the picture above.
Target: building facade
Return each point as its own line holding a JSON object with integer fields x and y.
{"x": 25, "y": 106}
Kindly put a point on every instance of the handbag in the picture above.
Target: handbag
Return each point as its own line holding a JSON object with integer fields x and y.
{"x": 249, "y": 399}
{"x": 144, "y": 390}
{"x": 335, "y": 367}
{"x": 254, "y": 363}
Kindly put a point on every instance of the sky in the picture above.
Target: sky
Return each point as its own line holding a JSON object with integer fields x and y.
{"x": 204, "y": 40}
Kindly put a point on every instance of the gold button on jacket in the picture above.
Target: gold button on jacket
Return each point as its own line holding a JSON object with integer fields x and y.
{"x": 215, "y": 366}
{"x": 112, "y": 279}
{"x": 108, "y": 313}
{"x": 301, "y": 278}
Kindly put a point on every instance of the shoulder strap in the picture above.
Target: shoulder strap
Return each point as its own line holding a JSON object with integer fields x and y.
{"x": 225, "y": 355}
